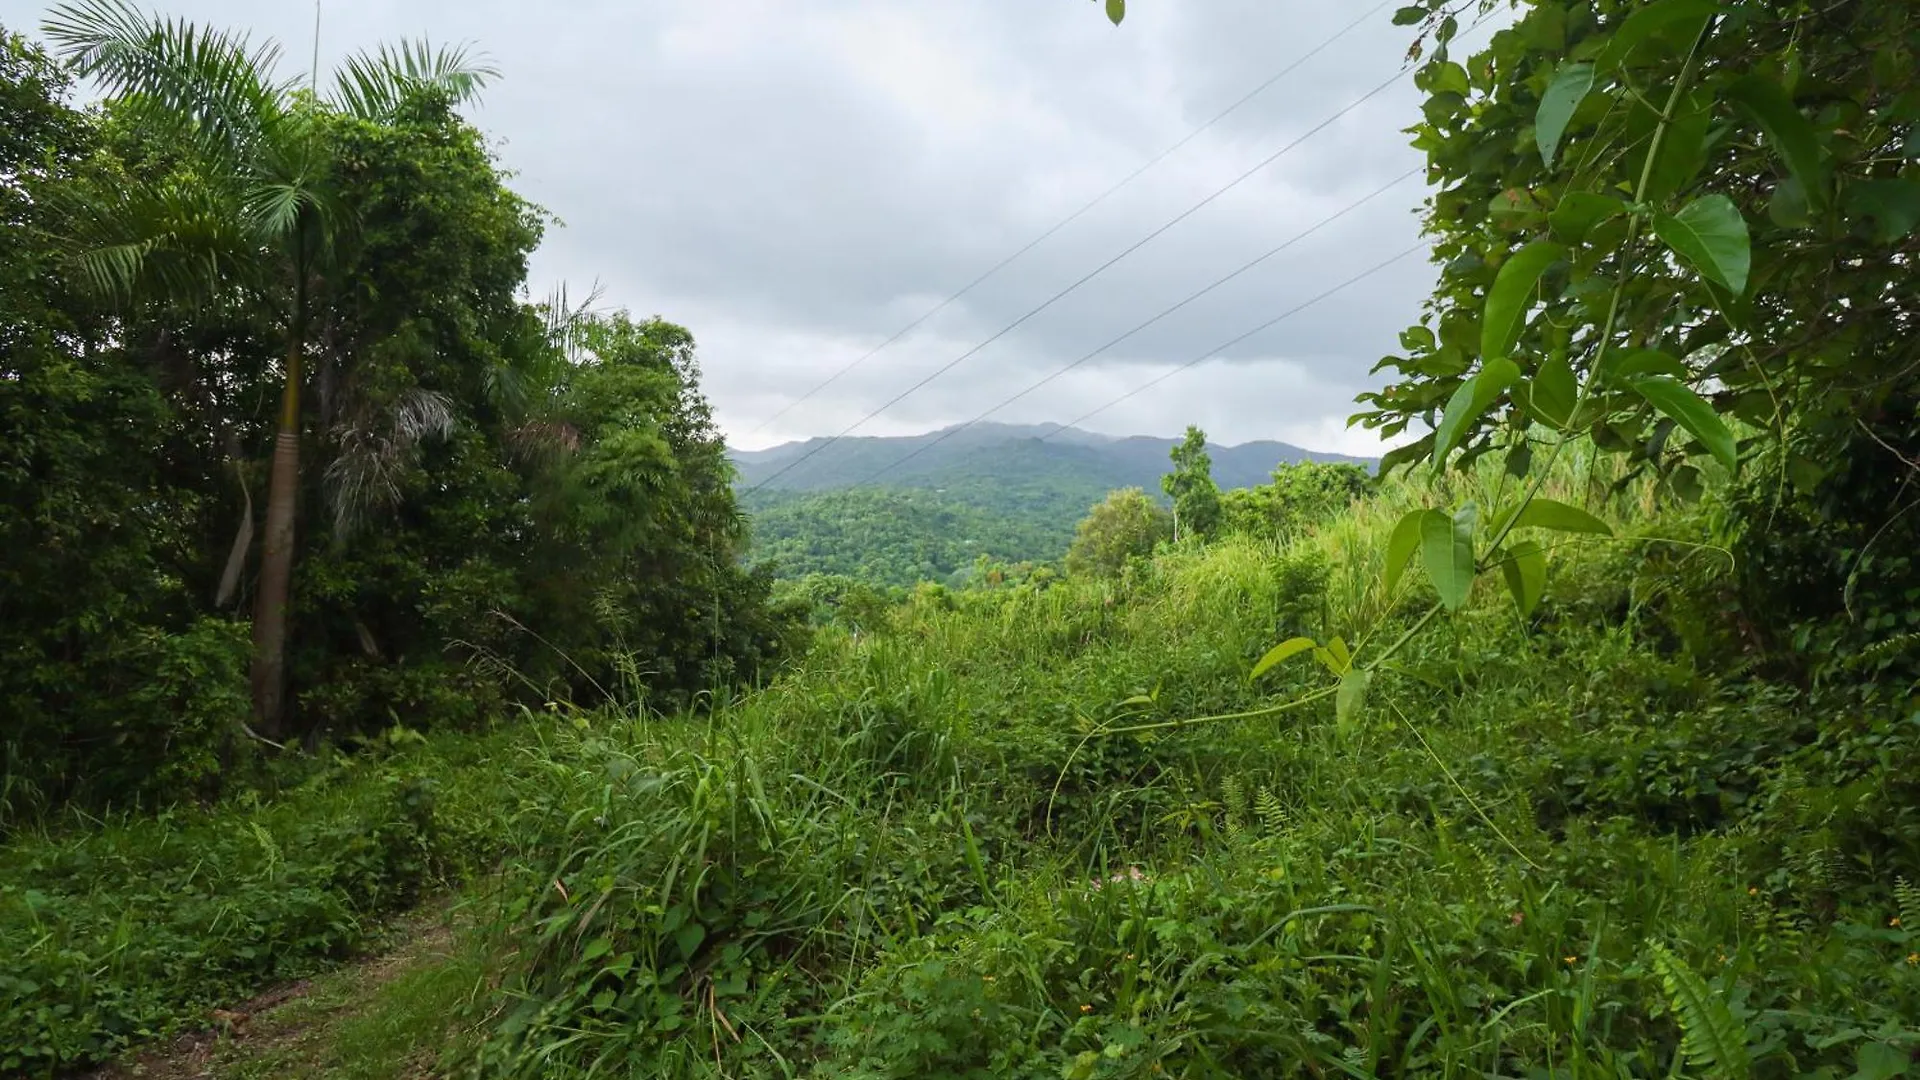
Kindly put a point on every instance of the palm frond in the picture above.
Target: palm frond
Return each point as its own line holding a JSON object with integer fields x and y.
{"x": 566, "y": 323}
{"x": 376, "y": 448}
{"x": 178, "y": 240}
{"x": 373, "y": 85}
{"x": 217, "y": 84}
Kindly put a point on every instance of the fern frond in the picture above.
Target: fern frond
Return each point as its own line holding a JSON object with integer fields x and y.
{"x": 1233, "y": 797}
{"x": 1898, "y": 643}
{"x": 1713, "y": 1039}
{"x": 1268, "y": 808}
{"x": 1906, "y": 897}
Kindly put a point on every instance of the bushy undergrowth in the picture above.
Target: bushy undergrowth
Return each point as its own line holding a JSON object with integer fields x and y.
{"x": 1051, "y": 829}
{"x": 989, "y": 842}
{"x": 133, "y": 928}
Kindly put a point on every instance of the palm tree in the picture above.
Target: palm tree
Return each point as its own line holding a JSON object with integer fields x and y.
{"x": 252, "y": 209}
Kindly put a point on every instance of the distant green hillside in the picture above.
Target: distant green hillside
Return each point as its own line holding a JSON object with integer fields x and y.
{"x": 1045, "y": 455}
{"x": 897, "y": 536}
{"x": 994, "y": 489}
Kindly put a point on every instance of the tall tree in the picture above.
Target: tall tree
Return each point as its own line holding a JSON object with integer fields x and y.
{"x": 1196, "y": 498}
{"x": 251, "y": 208}
{"x": 1124, "y": 525}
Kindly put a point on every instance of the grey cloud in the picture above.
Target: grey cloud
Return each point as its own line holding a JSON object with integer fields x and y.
{"x": 797, "y": 182}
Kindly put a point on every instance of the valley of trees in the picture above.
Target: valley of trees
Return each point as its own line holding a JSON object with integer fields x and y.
{"x": 344, "y": 583}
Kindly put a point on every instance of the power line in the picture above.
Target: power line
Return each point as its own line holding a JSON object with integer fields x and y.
{"x": 1089, "y": 276}
{"x": 1076, "y": 215}
{"x": 1063, "y": 369}
{"x": 1224, "y": 346}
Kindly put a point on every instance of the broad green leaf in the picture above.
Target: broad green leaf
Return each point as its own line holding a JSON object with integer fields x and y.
{"x": 597, "y": 948}
{"x": 1880, "y": 1061}
{"x": 1474, "y": 397}
{"x": 1789, "y": 134}
{"x": 1570, "y": 86}
{"x": 1620, "y": 369}
{"x": 1687, "y": 409}
{"x": 1788, "y": 208}
{"x": 1683, "y": 150}
{"x": 1580, "y": 211}
{"x": 1547, "y": 514}
{"x": 1350, "y": 698}
{"x": 1514, "y": 210}
{"x": 1685, "y": 484}
{"x": 1405, "y": 455}
{"x": 1342, "y": 659}
{"x": 1449, "y": 78}
{"x": 1891, "y": 206}
{"x": 1520, "y": 459}
{"x": 1711, "y": 236}
{"x": 1513, "y": 294}
{"x": 1525, "y": 568}
{"x": 1409, "y": 15}
{"x": 1281, "y": 653}
{"x": 1554, "y": 391}
{"x": 1401, "y": 546}
{"x": 1652, "y": 20}
{"x": 1446, "y": 543}
{"x": 688, "y": 938}
{"x": 1116, "y": 10}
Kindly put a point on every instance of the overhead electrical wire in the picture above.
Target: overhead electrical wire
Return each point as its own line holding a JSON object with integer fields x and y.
{"x": 1077, "y": 214}
{"x": 1215, "y": 284}
{"x": 1084, "y": 279}
{"x": 1225, "y": 345}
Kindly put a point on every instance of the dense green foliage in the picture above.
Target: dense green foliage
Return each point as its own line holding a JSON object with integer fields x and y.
{"x": 126, "y": 933}
{"x": 1196, "y": 498}
{"x": 1259, "y": 803}
{"x": 1297, "y": 496}
{"x": 898, "y": 536}
{"x": 502, "y": 499}
{"x": 991, "y": 841}
{"x": 1653, "y": 218}
{"x": 1053, "y": 829}
{"x": 1123, "y": 527}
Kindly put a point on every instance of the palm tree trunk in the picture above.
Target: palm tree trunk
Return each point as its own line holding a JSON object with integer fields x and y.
{"x": 276, "y": 559}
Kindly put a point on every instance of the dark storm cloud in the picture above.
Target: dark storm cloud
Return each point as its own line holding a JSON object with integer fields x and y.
{"x": 795, "y": 182}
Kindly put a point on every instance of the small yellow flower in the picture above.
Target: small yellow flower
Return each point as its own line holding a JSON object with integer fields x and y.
{"x": 1086, "y": 1008}
{"x": 1895, "y": 921}
{"x": 1129, "y": 956}
{"x": 1572, "y": 959}
{"x": 1913, "y": 959}
{"x": 1753, "y": 890}
{"x": 986, "y": 978}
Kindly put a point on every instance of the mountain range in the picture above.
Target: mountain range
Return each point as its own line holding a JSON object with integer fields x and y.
{"x": 967, "y": 454}
{"x": 894, "y": 510}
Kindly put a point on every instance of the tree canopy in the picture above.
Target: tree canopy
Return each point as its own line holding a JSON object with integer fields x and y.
{"x": 502, "y": 500}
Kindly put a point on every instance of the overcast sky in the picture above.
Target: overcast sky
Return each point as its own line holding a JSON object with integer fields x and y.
{"x": 796, "y": 181}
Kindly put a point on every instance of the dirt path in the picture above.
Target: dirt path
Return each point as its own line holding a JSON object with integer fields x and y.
{"x": 386, "y": 1016}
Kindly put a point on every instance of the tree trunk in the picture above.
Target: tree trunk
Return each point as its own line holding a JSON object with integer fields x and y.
{"x": 276, "y": 560}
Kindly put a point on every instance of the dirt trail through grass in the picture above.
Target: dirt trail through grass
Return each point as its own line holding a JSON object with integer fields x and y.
{"x": 382, "y": 1017}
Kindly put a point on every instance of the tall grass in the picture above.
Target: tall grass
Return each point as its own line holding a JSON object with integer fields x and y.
{"x": 919, "y": 855}
{"x": 1054, "y": 830}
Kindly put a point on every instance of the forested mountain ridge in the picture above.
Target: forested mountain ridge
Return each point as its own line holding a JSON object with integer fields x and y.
{"x": 1010, "y": 492}
{"x": 940, "y": 459}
